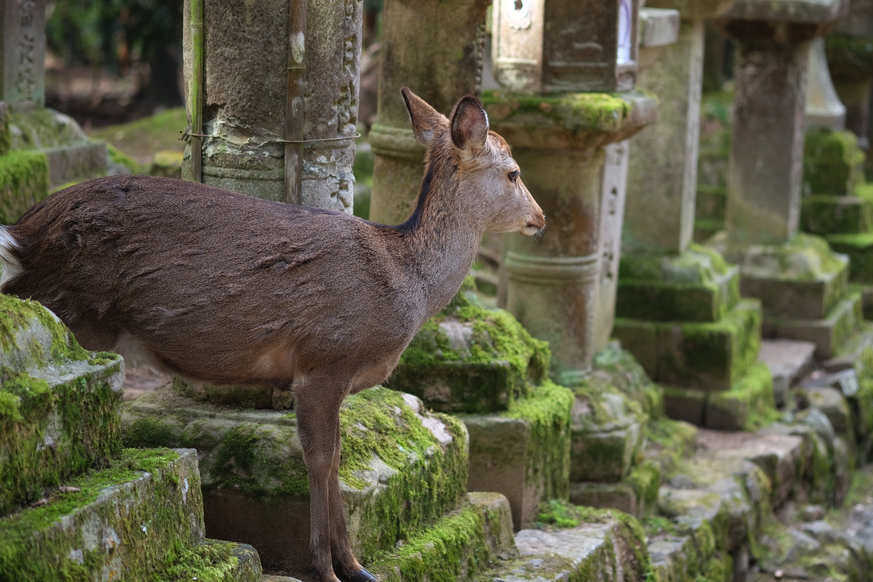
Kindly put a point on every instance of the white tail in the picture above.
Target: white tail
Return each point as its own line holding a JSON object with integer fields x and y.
{"x": 221, "y": 287}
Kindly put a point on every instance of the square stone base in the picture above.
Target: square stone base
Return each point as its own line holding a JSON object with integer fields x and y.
{"x": 636, "y": 495}
{"x": 829, "y": 334}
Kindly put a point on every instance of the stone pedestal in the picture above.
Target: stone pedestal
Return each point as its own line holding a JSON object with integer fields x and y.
{"x": 22, "y": 54}
{"x": 437, "y": 49}
{"x": 244, "y": 97}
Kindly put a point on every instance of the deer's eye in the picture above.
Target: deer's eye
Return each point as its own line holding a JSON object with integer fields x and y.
{"x": 512, "y": 176}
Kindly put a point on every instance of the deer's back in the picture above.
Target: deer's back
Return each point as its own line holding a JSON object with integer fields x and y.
{"x": 211, "y": 281}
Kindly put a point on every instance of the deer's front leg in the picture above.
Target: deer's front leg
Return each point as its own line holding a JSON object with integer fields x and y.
{"x": 317, "y": 415}
{"x": 345, "y": 566}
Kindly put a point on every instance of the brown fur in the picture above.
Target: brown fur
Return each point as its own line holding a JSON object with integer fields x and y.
{"x": 225, "y": 288}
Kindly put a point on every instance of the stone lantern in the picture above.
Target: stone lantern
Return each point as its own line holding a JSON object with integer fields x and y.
{"x": 567, "y": 107}
{"x": 559, "y": 45}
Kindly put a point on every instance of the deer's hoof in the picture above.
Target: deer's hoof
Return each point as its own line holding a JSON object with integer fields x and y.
{"x": 361, "y": 576}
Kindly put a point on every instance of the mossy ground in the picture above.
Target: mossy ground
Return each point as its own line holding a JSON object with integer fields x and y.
{"x": 24, "y": 181}
{"x": 143, "y": 137}
{"x": 152, "y": 536}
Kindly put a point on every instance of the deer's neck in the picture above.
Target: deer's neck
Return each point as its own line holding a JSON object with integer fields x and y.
{"x": 443, "y": 239}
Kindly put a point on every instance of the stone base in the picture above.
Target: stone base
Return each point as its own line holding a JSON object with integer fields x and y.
{"x": 829, "y": 334}
{"x": 524, "y": 453}
{"x": 85, "y": 528}
{"x": 706, "y": 356}
{"x": 832, "y": 162}
{"x": 859, "y": 248}
{"x": 841, "y": 214}
{"x": 636, "y": 495}
{"x": 800, "y": 279}
{"x": 459, "y": 546}
{"x": 255, "y": 482}
{"x": 748, "y": 403}
{"x": 789, "y": 361}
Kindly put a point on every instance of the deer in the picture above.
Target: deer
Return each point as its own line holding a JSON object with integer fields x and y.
{"x": 216, "y": 286}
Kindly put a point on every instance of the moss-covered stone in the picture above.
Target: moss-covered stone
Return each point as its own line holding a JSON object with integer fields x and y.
{"x": 830, "y": 334}
{"x": 636, "y": 495}
{"x": 167, "y": 164}
{"x": 5, "y": 136}
{"x": 116, "y": 156}
{"x": 670, "y": 441}
{"x": 695, "y": 286}
{"x": 748, "y": 405}
{"x": 128, "y": 521}
{"x": 215, "y": 561}
{"x": 523, "y": 453}
{"x": 825, "y": 214}
{"x": 802, "y": 278}
{"x": 608, "y": 431}
{"x": 859, "y": 248}
{"x": 24, "y": 181}
{"x": 832, "y": 162}
{"x": 401, "y": 468}
{"x": 619, "y": 368}
{"x": 458, "y": 547}
{"x": 58, "y": 403}
{"x": 573, "y": 120}
{"x": 470, "y": 359}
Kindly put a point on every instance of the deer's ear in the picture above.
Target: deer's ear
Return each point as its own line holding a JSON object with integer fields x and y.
{"x": 469, "y": 126}
{"x": 425, "y": 119}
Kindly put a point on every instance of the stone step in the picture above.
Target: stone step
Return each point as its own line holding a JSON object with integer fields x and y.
{"x": 636, "y": 494}
{"x": 127, "y": 521}
{"x": 599, "y": 545}
{"x": 58, "y": 403}
{"x": 829, "y": 334}
{"x": 402, "y": 469}
{"x": 459, "y": 546}
{"x": 789, "y": 361}
{"x": 216, "y": 560}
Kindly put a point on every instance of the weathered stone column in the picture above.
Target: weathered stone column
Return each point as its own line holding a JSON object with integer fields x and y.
{"x": 849, "y": 50}
{"x": 436, "y": 48}
{"x": 568, "y": 144}
{"x": 799, "y": 280}
{"x": 22, "y": 53}
{"x": 246, "y": 64}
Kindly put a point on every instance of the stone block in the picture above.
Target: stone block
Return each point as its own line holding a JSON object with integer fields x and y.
{"x": 608, "y": 430}
{"x": 469, "y": 359}
{"x": 619, "y": 368}
{"x": 669, "y": 442}
{"x": 605, "y": 546}
{"x": 255, "y": 484}
{"x": 822, "y": 214}
{"x": 58, "y": 403}
{"x": 799, "y": 279}
{"x": 788, "y": 361}
{"x": 523, "y": 453}
{"x": 748, "y": 404}
{"x": 859, "y": 248}
{"x": 24, "y": 181}
{"x": 695, "y": 286}
{"x": 641, "y": 339}
{"x": 685, "y": 405}
{"x": 231, "y": 561}
{"x": 829, "y": 334}
{"x": 830, "y": 401}
{"x": 75, "y": 162}
{"x": 636, "y": 495}
{"x": 121, "y": 523}
{"x": 709, "y": 356}
{"x": 832, "y": 162}
{"x": 459, "y": 546}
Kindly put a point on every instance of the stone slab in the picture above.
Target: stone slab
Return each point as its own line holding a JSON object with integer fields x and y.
{"x": 829, "y": 334}
{"x": 788, "y": 361}
{"x": 459, "y": 546}
{"x": 604, "y": 551}
{"x": 747, "y": 405}
{"x": 636, "y": 495}
{"x": 523, "y": 454}
{"x": 255, "y": 482}
{"x": 124, "y": 522}
{"x": 836, "y": 214}
{"x": 830, "y": 401}
{"x": 859, "y": 248}
{"x": 59, "y": 403}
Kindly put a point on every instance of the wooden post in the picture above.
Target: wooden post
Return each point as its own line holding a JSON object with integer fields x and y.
{"x": 197, "y": 90}
{"x": 294, "y": 101}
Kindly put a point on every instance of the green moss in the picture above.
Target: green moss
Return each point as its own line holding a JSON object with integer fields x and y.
{"x": 503, "y": 361}
{"x": 43, "y": 128}
{"x": 143, "y": 137}
{"x": 645, "y": 479}
{"x": 748, "y": 405}
{"x": 23, "y": 183}
{"x": 831, "y": 162}
{"x": 371, "y": 427}
{"x": 152, "y": 535}
{"x": 5, "y": 136}
{"x": 119, "y": 157}
{"x": 49, "y": 432}
{"x": 858, "y": 246}
{"x": 210, "y": 562}
{"x": 606, "y": 112}
{"x": 619, "y": 368}
{"x": 16, "y": 314}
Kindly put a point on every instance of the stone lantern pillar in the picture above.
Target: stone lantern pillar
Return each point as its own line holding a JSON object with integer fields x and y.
{"x": 245, "y": 89}
{"x": 800, "y": 281}
{"x": 678, "y": 305}
{"x": 849, "y": 50}
{"x": 557, "y": 59}
{"x": 437, "y": 49}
